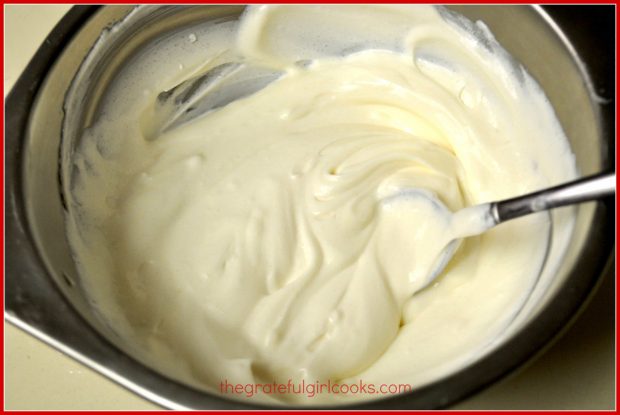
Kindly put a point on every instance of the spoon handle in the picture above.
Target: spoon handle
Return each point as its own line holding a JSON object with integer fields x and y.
{"x": 581, "y": 190}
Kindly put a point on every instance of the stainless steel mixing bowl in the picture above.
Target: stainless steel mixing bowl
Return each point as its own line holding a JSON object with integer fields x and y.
{"x": 571, "y": 56}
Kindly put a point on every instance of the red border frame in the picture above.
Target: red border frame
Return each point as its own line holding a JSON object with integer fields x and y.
{"x": 617, "y": 310}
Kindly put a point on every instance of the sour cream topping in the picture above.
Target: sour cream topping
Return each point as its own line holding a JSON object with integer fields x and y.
{"x": 261, "y": 241}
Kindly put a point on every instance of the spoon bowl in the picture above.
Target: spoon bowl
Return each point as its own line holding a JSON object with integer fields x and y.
{"x": 475, "y": 220}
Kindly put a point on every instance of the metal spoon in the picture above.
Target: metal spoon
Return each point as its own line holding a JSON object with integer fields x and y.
{"x": 477, "y": 219}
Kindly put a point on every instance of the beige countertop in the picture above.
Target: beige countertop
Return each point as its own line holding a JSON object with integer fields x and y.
{"x": 577, "y": 372}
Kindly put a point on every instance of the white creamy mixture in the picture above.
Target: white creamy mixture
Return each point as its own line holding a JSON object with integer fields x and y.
{"x": 262, "y": 241}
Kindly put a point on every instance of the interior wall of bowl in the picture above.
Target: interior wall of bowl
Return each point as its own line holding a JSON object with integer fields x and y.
{"x": 534, "y": 40}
